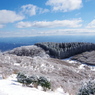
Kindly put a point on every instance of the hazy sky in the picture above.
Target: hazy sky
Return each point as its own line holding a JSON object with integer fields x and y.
{"x": 46, "y": 17}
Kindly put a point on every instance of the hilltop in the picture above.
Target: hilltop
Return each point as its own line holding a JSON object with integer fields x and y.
{"x": 34, "y": 60}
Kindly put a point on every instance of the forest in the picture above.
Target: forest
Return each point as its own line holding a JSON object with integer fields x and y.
{"x": 65, "y": 50}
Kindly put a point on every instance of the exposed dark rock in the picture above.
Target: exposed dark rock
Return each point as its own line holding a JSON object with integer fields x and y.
{"x": 86, "y": 57}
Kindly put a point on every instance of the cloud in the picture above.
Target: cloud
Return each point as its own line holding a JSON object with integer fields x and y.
{"x": 1, "y": 26}
{"x": 64, "y": 5}
{"x": 23, "y": 24}
{"x": 41, "y": 10}
{"x": 46, "y": 32}
{"x": 51, "y": 24}
{"x": 91, "y": 24}
{"x": 87, "y": 0}
{"x": 31, "y": 10}
{"x": 18, "y": 33}
{"x": 68, "y": 32}
{"x": 82, "y": 31}
{"x": 7, "y": 16}
{"x": 77, "y": 14}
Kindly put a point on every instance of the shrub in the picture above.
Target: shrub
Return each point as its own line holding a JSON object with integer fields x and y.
{"x": 26, "y": 81}
{"x": 21, "y": 78}
{"x": 34, "y": 80}
{"x": 44, "y": 83}
{"x": 87, "y": 88}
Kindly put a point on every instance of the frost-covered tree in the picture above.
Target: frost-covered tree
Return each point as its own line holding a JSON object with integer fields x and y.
{"x": 63, "y": 50}
{"x": 87, "y": 88}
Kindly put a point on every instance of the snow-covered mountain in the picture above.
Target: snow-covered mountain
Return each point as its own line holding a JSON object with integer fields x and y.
{"x": 32, "y": 60}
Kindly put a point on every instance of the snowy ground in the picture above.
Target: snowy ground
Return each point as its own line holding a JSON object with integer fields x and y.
{"x": 81, "y": 66}
{"x": 69, "y": 60}
{"x": 10, "y": 86}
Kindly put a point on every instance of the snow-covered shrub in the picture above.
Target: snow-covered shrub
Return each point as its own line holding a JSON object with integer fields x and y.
{"x": 34, "y": 80}
{"x": 44, "y": 83}
{"x": 31, "y": 51}
{"x": 21, "y": 78}
{"x": 26, "y": 81}
{"x": 87, "y": 88}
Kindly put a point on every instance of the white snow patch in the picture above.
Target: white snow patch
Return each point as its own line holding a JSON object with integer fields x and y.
{"x": 16, "y": 64}
{"x": 92, "y": 68}
{"x": 81, "y": 66}
{"x": 10, "y": 86}
{"x": 70, "y": 61}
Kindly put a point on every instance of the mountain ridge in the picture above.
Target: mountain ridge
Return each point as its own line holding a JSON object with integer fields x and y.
{"x": 36, "y": 61}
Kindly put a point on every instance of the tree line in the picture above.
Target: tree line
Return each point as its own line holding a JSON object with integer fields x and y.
{"x": 65, "y": 50}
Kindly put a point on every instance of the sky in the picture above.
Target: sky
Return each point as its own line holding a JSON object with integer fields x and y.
{"x": 26, "y": 18}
